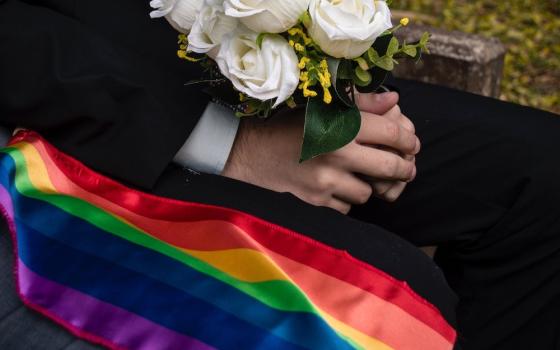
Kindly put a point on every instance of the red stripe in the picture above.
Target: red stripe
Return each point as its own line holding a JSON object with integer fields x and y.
{"x": 397, "y": 328}
{"x": 297, "y": 247}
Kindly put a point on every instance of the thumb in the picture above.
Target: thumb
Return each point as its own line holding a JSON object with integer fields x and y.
{"x": 377, "y": 103}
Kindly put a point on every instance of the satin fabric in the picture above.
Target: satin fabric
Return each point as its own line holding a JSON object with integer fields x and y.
{"x": 197, "y": 276}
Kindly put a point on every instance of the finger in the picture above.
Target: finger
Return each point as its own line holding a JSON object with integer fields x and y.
{"x": 395, "y": 192}
{"x": 376, "y": 103}
{"x": 381, "y": 187}
{"x": 339, "y": 205}
{"x": 377, "y": 163}
{"x": 376, "y": 130}
{"x": 395, "y": 114}
{"x": 352, "y": 190}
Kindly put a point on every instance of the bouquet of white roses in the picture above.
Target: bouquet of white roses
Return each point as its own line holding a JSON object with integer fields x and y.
{"x": 260, "y": 55}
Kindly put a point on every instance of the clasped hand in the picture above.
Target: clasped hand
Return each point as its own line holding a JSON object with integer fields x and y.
{"x": 380, "y": 161}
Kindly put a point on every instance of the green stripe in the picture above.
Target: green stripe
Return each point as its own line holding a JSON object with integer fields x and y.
{"x": 281, "y": 295}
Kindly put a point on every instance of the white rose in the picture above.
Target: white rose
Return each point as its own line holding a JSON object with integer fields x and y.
{"x": 181, "y": 14}
{"x": 267, "y": 16}
{"x": 270, "y": 72}
{"x": 347, "y": 28}
{"x": 210, "y": 27}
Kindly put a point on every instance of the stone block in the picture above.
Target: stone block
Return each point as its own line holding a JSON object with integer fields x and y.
{"x": 458, "y": 60}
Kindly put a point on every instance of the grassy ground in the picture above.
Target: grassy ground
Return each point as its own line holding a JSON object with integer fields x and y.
{"x": 529, "y": 28}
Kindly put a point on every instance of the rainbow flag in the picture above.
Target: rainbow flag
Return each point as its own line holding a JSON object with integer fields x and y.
{"x": 129, "y": 270}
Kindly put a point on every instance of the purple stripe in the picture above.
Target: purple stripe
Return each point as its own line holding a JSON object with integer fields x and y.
{"x": 94, "y": 316}
{"x": 6, "y": 202}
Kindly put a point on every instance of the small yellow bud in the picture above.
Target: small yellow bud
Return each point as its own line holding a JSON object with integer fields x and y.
{"x": 299, "y": 47}
{"x": 404, "y": 21}
{"x": 309, "y": 93}
{"x": 303, "y": 62}
{"x": 306, "y": 91}
{"x": 292, "y": 43}
{"x": 327, "y": 97}
{"x": 324, "y": 80}
{"x": 294, "y": 31}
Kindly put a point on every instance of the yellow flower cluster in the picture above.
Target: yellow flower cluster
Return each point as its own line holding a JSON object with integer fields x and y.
{"x": 314, "y": 70}
{"x": 182, "y": 52}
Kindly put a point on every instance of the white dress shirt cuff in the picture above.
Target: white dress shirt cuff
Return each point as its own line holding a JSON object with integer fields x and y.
{"x": 208, "y": 147}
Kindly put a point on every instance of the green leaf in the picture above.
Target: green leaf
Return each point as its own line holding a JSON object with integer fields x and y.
{"x": 410, "y": 50}
{"x": 372, "y": 55}
{"x": 362, "y": 75}
{"x": 362, "y": 63}
{"x": 424, "y": 39}
{"x": 378, "y": 78}
{"x": 386, "y": 63}
{"x": 328, "y": 127}
{"x": 364, "y": 78}
{"x": 393, "y": 46}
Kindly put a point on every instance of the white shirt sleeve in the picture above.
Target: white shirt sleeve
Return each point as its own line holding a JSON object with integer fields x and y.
{"x": 208, "y": 147}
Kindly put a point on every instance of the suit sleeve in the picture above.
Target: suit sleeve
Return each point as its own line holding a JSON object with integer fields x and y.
{"x": 102, "y": 83}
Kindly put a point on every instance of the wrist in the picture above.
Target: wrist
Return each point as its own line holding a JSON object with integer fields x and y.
{"x": 237, "y": 161}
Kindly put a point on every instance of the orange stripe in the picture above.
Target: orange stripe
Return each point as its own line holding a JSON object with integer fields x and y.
{"x": 383, "y": 320}
{"x": 316, "y": 255}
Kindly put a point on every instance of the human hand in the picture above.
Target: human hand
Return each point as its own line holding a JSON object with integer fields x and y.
{"x": 384, "y": 189}
{"x": 266, "y": 154}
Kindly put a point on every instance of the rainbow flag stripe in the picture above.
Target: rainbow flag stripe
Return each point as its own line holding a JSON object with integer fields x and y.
{"x": 129, "y": 270}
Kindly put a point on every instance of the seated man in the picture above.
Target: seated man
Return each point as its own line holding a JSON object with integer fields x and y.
{"x": 100, "y": 81}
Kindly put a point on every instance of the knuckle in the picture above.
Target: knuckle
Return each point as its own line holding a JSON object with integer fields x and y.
{"x": 365, "y": 195}
{"x": 390, "y": 167}
{"x": 324, "y": 180}
{"x": 409, "y": 170}
{"x": 409, "y": 124}
{"x": 411, "y": 143}
{"x": 392, "y": 131}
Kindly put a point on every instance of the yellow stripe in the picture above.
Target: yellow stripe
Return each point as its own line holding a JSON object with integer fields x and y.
{"x": 253, "y": 266}
{"x": 39, "y": 175}
{"x": 244, "y": 264}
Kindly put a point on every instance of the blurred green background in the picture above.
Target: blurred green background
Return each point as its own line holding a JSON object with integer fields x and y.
{"x": 530, "y": 29}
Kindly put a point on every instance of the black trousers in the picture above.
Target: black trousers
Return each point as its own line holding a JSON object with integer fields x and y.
{"x": 486, "y": 194}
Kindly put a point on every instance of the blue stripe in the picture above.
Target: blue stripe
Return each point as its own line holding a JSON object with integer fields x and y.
{"x": 141, "y": 269}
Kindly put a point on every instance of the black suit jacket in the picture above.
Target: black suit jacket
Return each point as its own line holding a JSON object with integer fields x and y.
{"x": 100, "y": 80}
